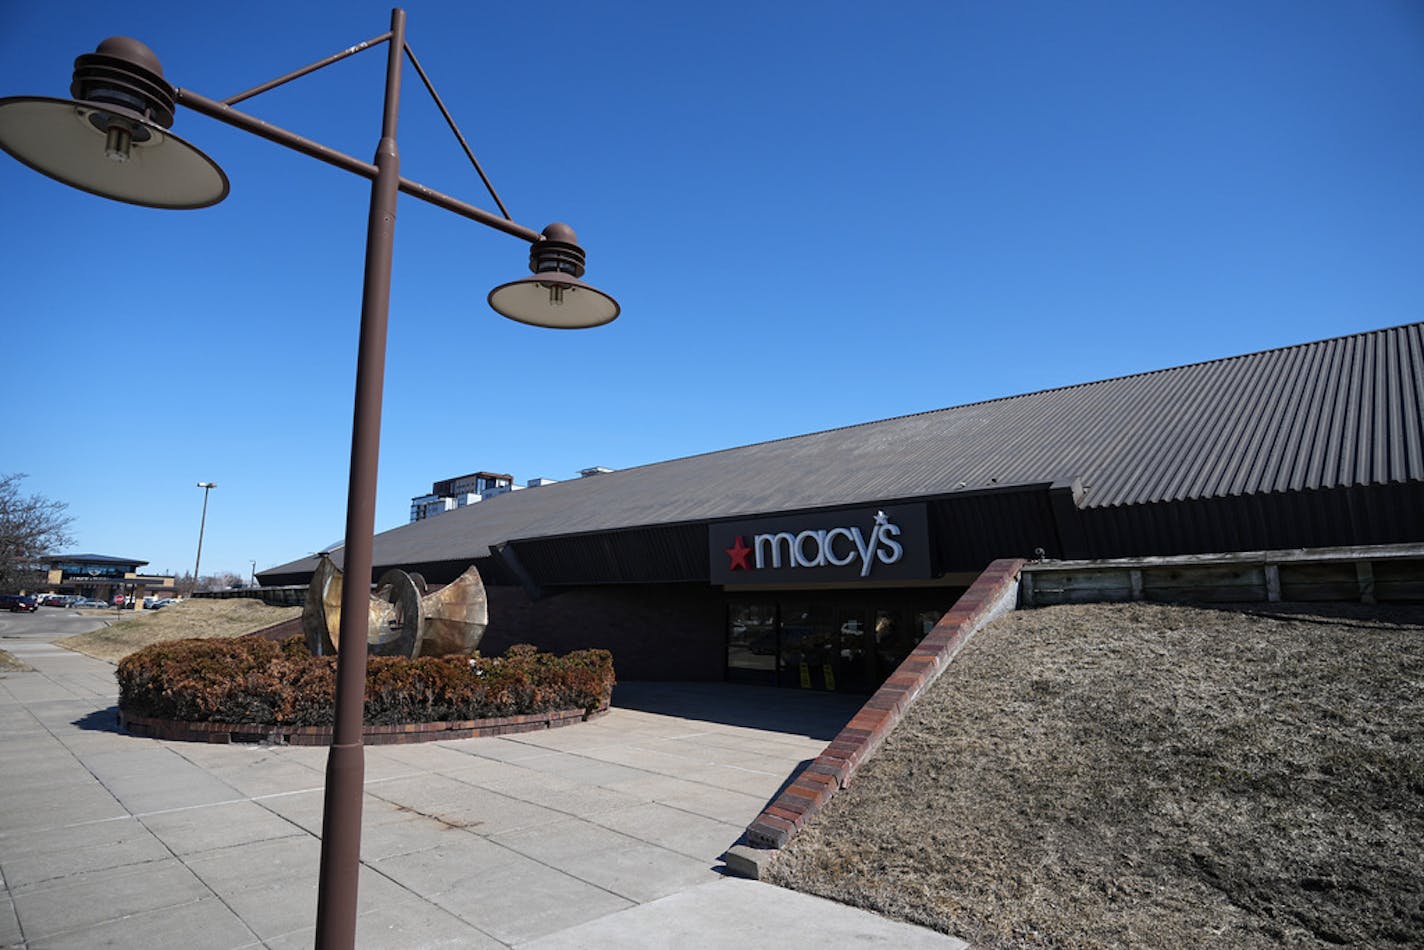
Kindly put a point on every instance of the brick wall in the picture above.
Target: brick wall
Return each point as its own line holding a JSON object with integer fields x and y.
{"x": 655, "y": 632}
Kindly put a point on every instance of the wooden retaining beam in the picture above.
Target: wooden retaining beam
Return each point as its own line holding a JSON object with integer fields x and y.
{"x": 1392, "y": 573}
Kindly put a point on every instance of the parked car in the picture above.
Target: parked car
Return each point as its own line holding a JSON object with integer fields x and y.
{"x": 84, "y": 604}
{"x": 16, "y": 603}
{"x": 162, "y": 602}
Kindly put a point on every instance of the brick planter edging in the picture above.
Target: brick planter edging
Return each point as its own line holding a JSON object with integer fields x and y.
{"x": 225, "y": 732}
{"x": 994, "y": 592}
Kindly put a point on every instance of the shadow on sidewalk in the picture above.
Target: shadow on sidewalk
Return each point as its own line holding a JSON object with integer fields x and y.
{"x": 815, "y": 715}
{"x": 100, "y": 720}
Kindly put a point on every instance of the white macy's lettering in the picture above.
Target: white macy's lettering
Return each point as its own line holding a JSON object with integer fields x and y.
{"x": 818, "y": 548}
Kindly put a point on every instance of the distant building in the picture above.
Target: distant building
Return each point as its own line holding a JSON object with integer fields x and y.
{"x": 469, "y": 489}
{"x": 458, "y": 492}
{"x": 101, "y": 577}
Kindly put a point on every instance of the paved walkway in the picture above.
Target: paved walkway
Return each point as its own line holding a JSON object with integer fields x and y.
{"x": 604, "y": 834}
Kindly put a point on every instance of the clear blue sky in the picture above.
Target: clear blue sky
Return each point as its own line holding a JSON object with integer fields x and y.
{"x": 813, "y": 214}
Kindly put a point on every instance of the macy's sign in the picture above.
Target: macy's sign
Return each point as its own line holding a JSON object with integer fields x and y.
{"x": 848, "y": 545}
{"x": 818, "y": 548}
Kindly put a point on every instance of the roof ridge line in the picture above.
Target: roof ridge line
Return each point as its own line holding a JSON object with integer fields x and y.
{"x": 1036, "y": 392}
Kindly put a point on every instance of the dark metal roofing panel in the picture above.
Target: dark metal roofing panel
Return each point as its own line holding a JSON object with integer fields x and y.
{"x": 1331, "y": 414}
{"x": 95, "y": 559}
{"x": 1333, "y": 517}
{"x": 655, "y": 555}
{"x": 972, "y": 530}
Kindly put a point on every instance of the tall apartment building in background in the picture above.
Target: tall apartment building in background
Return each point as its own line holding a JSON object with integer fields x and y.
{"x": 452, "y": 493}
{"x": 468, "y": 489}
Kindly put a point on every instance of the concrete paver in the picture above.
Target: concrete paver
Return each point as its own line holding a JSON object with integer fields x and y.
{"x": 212, "y": 827}
{"x": 201, "y": 923}
{"x": 674, "y": 829}
{"x": 499, "y": 891}
{"x": 9, "y": 925}
{"x": 605, "y": 833}
{"x": 735, "y": 913}
{"x": 44, "y": 854}
{"x": 619, "y": 863}
{"x": 82, "y": 901}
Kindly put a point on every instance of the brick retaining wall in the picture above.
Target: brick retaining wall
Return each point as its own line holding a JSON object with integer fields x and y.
{"x": 225, "y": 732}
{"x": 994, "y": 592}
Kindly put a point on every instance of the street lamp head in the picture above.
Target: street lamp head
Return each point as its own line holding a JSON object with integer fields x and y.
{"x": 112, "y": 139}
{"x": 124, "y": 72}
{"x": 207, "y": 484}
{"x": 554, "y": 296}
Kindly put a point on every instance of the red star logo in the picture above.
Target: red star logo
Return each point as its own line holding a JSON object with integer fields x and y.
{"x": 739, "y": 553}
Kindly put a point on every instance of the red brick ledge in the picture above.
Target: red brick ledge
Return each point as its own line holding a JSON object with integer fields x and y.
{"x": 992, "y": 593}
{"x": 224, "y": 732}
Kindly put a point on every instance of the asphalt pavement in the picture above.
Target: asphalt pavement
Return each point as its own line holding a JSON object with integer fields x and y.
{"x": 602, "y": 834}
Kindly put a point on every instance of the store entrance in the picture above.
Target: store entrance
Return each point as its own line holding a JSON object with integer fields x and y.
{"x": 828, "y": 641}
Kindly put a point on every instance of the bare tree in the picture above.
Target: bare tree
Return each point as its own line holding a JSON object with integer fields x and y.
{"x": 233, "y": 580}
{"x": 220, "y": 580}
{"x": 31, "y": 528}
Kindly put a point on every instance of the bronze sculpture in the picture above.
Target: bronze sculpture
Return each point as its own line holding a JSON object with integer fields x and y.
{"x": 404, "y": 619}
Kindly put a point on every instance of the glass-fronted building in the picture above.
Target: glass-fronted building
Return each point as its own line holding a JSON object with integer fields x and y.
{"x": 105, "y": 578}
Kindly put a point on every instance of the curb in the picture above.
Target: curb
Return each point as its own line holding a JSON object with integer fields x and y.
{"x": 277, "y": 734}
{"x": 994, "y": 592}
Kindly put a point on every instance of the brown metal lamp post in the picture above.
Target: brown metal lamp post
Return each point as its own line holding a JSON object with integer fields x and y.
{"x": 113, "y": 140}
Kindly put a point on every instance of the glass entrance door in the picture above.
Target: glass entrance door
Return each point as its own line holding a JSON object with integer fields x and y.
{"x": 808, "y": 638}
{"x": 826, "y": 643}
{"x": 854, "y": 661}
{"x": 752, "y": 643}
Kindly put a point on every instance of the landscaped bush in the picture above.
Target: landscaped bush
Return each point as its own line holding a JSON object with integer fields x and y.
{"x": 252, "y": 680}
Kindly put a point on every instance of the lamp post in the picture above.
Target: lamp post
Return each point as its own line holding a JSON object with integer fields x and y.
{"x": 206, "y": 487}
{"x": 113, "y": 140}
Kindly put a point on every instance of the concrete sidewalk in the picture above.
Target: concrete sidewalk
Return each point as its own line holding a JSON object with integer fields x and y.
{"x": 603, "y": 834}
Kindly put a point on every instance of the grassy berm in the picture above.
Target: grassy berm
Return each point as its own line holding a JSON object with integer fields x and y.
{"x": 8, "y": 664}
{"x": 1148, "y": 776}
{"x": 198, "y": 617}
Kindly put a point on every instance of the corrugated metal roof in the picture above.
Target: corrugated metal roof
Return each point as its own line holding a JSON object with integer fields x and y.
{"x": 1342, "y": 412}
{"x": 95, "y": 559}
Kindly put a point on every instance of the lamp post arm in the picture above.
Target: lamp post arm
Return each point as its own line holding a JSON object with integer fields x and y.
{"x": 299, "y": 73}
{"x": 467, "y": 210}
{"x": 227, "y": 115}
{"x": 459, "y": 137}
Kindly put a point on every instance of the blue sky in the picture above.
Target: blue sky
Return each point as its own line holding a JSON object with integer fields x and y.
{"x": 813, "y": 215}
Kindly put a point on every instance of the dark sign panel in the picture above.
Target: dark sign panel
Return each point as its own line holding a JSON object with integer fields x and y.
{"x": 850, "y": 546}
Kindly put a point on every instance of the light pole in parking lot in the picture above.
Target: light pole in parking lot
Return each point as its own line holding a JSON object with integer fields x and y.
{"x": 113, "y": 140}
{"x": 206, "y": 487}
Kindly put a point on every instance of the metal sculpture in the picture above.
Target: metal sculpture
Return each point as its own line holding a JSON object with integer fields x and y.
{"x": 404, "y": 619}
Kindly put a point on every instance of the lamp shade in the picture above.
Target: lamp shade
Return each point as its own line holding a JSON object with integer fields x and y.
{"x": 554, "y": 299}
{"x": 554, "y": 296}
{"x": 70, "y": 141}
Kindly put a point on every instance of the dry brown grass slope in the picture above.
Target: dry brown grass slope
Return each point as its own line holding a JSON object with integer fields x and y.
{"x": 199, "y": 617}
{"x": 1146, "y": 775}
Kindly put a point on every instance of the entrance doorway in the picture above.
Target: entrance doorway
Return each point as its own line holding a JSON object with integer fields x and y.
{"x": 835, "y": 642}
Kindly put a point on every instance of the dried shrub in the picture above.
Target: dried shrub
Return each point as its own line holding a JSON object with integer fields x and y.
{"x": 252, "y": 680}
